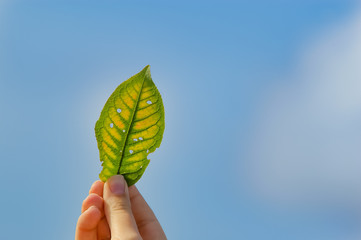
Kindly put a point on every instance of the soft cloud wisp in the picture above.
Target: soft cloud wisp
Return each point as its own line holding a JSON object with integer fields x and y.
{"x": 307, "y": 147}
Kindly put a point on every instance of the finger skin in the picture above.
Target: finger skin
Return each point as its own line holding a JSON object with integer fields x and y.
{"x": 86, "y": 228}
{"x": 92, "y": 200}
{"x": 118, "y": 210}
{"x": 148, "y": 225}
{"x": 97, "y": 188}
{"x": 103, "y": 229}
{"x": 95, "y": 199}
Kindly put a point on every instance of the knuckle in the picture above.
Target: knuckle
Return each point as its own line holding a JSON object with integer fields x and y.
{"x": 119, "y": 205}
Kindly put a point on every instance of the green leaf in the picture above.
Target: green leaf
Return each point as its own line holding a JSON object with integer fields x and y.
{"x": 130, "y": 126}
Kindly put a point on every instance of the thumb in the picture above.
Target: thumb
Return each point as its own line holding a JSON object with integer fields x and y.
{"x": 118, "y": 211}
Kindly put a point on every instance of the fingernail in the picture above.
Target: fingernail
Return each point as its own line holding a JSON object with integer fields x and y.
{"x": 117, "y": 184}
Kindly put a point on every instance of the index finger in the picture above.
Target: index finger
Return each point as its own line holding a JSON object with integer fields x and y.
{"x": 97, "y": 188}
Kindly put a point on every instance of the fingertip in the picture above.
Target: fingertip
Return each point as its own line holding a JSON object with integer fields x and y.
{"x": 97, "y": 188}
{"x": 93, "y": 200}
{"x": 117, "y": 185}
{"x": 89, "y": 219}
{"x": 133, "y": 191}
{"x": 94, "y": 211}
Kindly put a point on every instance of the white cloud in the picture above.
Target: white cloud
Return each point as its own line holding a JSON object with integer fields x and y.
{"x": 307, "y": 146}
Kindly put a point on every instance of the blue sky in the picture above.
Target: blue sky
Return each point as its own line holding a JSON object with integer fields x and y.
{"x": 241, "y": 82}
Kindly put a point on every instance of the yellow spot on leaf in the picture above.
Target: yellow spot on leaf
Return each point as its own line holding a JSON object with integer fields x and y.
{"x": 107, "y": 138}
{"x": 149, "y": 121}
{"x": 108, "y": 151}
{"x": 143, "y": 102}
{"x": 142, "y": 145}
{"x": 146, "y": 94}
{"x": 143, "y": 113}
{"x": 148, "y": 133}
{"x": 132, "y": 93}
{"x": 132, "y": 167}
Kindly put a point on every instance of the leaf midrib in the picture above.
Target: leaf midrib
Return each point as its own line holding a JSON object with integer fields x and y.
{"x": 131, "y": 123}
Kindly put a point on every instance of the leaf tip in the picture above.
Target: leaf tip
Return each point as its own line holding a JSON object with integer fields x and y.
{"x": 146, "y": 70}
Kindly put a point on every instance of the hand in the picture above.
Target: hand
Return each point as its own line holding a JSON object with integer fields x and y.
{"x": 114, "y": 211}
